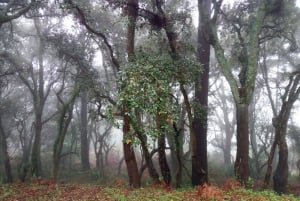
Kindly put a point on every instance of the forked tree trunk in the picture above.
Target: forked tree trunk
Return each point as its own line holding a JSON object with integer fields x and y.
{"x": 151, "y": 168}
{"x": 241, "y": 166}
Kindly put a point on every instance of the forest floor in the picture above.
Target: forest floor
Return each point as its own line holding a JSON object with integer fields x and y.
{"x": 41, "y": 190}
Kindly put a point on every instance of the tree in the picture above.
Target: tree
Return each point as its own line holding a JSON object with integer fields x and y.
{"x": 11, "y": 9}
{"x": 280, "y": 119}
{"x": 3, "y": 142}
{"x": 132, "y": 169}
{"x": 199, "y": 153}
{"x": 248, "y": 24}
{"x": 223, "y": 120}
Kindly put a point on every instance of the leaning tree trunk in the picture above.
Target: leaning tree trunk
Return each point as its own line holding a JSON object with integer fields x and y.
{"x": 64, "y": 121}
{"x": 241, "y": 166}
{"x": 151, "y": 168}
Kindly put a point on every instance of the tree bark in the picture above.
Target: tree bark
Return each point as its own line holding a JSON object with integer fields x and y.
{"x": 129, "y": 155}
{"x": 6, "y": 160}
{"x": 199, "y": 159}
{"x": 143, "y": 139}
{"x": 163, "y": 163}
{"x": 241, "y": 166}
{"x": 84, "y": 142}
{"x": 64, "y": 121}
{"x": 280, "y": 177}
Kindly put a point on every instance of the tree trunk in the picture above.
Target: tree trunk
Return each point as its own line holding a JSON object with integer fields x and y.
{"x": 39, "y": 102}
{"x": 138, "y": 127}
{"x": 163, "y": 164}
{"x": 85, "y": 162}
{"x": 36, "y": 164}
{"x": 64, "y": 121}
{"x": 6, "y": 160}
{"x": 241, "y": 166}
{"x": 152, "y": 171}
{"x": 270, "y": 161}
{"x": 199, "y": 161}
{"x": 280, "y": 177}
{"x": 178, "y": 138}
{"x": 227, "y": 149}
{"x": 129, "y": 155}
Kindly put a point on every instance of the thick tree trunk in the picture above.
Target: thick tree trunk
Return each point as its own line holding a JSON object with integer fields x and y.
{"x": 199, "y": 159}
{"x": 85, "y": 162}
{"x": 241, "y": 166}
{"x": 129, "y": 155}
{"x": 6, "y": 160}
{"x": 280, "y": 177}
{"x": 178, "y": 151}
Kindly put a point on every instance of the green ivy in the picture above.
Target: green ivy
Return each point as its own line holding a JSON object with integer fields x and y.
{"x": 148, "y": 82}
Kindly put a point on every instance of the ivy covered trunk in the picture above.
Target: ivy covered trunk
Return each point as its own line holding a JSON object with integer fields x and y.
{"x": 129, "y": 155}
{"x": 241, "y": 166}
